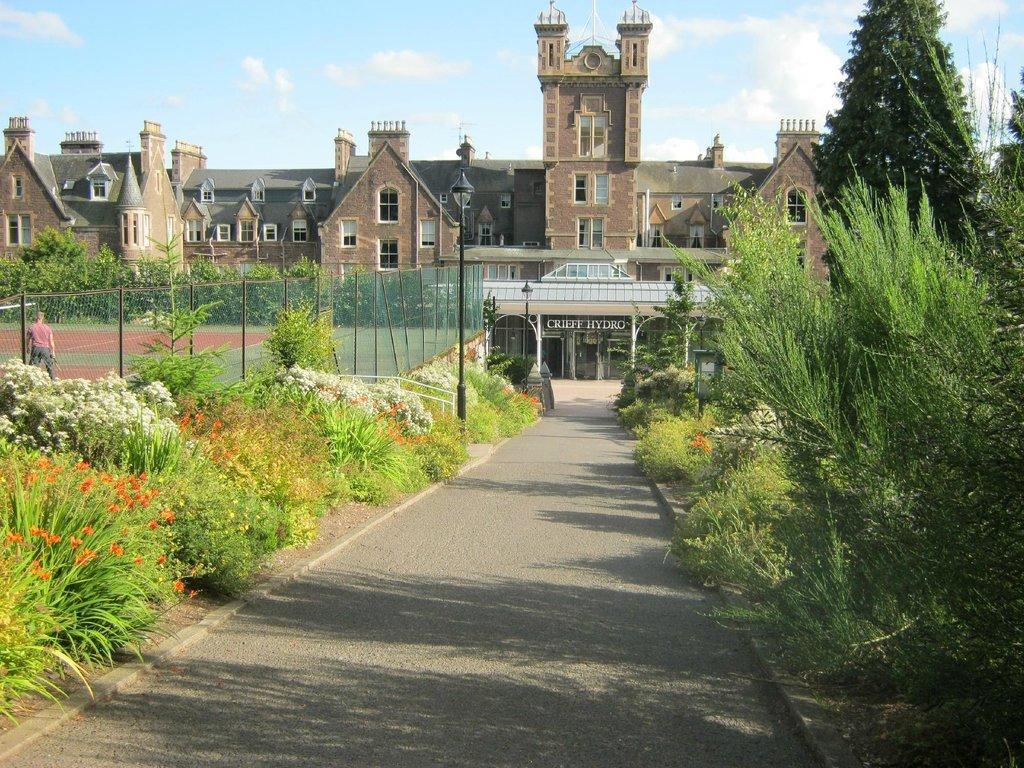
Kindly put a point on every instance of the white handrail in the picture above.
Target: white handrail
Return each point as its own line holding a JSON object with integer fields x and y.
{"x": 449, "y": 395}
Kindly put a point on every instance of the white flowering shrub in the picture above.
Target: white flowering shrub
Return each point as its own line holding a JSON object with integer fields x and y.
{"x": 91, "y": 418}
{"x": 378, "y": 400}
{"x": 437, "y": 374}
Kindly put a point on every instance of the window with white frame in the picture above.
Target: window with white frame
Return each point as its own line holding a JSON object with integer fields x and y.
{"x": 444, "y": 199}
{"x": 387, "y": 254}
{"x": 428, "y": 233}
{"x": 246, "y": 231}
{"x": 677, "y": 202}
{"x": 716, "y": 201}
{"x": 170, "y": 229}
{"x": 506, "y": 199}
{"x": 388, "y": 208}
{"x": 259, "y": 191}
{"x": 18, "y": 187}
{"x": 484, "y": 232}
{"x": 223, "y": 232}
{"x": 270, "y": 233}
{"x": 669, "y": 274}
{"x": 206, "y": 191}
{"x": 796, "y": 207}
{"x": 581, "y": 194}
{"x": 300, "y": 232}
{"x": 98, "y": 189}
{"x": 309, "y": 191}
{"x": 348, "y": 234}
{"x": 501, "y": 272}
{"x": 194, "y": 231}
{"x": 19, "y": 230}
{"x": 591, "y": 233}
{"x": 593, "y": 136}
{"x": 145, "y": 230}
{"x": 696, "y": 235}
{"x": 601, "y": 186}
{"x": 657, "y": 236}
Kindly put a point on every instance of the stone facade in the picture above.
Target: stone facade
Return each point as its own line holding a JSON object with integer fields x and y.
{"x": 27, "y": 202}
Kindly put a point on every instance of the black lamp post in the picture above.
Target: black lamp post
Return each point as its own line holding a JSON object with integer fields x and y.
{"x": 462, "y": 191}
{"x": 527, "y": 293}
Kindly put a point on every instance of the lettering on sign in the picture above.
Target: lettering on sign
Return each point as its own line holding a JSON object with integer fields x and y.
{"x": 584, "y": 324}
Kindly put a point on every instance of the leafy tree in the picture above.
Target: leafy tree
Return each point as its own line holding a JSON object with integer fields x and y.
{"x": 301, "y": 338}
{"x": 1011, "y": 154}
{"x": 895, "y": 103}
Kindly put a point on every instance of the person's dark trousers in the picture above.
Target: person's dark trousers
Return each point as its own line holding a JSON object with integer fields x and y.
{"x": 45, "y": 356}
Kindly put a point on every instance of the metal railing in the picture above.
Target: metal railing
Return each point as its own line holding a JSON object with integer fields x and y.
{"x": 446, "y": 397}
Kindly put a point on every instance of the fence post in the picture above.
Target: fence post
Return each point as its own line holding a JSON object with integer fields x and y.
{"x": 423, "y": 322}
{"x": 391, "y": 326}
{"x": 192, "y": 308}
{"x": 24, "y": 330}
{"x": 244, "y": 314}
{"x": 376, "y": 356}
{"x": 286, "y": 292}
{"x": 317, "y": 278}
{"x": 120, "y": 330}
{"x": 355, "y": 326}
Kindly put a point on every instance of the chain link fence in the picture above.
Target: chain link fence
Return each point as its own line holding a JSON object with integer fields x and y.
{"x": 385, "y": 323}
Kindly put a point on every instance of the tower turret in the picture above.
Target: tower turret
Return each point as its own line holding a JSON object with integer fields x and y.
{"x": 634, "y": 40}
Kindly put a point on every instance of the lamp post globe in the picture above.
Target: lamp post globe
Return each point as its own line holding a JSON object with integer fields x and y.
{"x": 527, "y": 291}
{"x": 462, "y": 192}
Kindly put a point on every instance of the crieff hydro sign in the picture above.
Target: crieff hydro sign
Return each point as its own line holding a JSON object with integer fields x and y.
{"x": 585, "y": 324}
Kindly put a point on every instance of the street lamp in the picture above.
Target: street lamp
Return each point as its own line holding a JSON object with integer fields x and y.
{"x": 462, "y": 191}
{"x": 527, "y": 293}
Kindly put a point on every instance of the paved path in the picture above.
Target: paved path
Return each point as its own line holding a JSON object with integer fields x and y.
{"x": 524, "y": 616}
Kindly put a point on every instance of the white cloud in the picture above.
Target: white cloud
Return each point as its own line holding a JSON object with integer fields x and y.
{"x": 256, "y": 74}
{"x": 174, "y": 101}
{"x": 673, "y": 149}
{"x": 754, "y": 155}
{"x": 533, "y": 152}
{"x": 41, "y": 25}
{"x": 68, "y": 116}
{"x": 990, "y": 100}
{"x": 396, "y": 65}
{"x": 284, "y": 86}
{"x": 1011, "y": 39}
{"x": 40, "y": 109}
{"x": 965, "y": 15}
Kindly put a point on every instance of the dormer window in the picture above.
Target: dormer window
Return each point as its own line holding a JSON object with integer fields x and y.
{"x": 677, "y": 202}
{"x": 98, "y": 189}
{"x": 99, "y": 182}
{"x": 206, "y": 191}
{"x": 259, "y": 191}
{"x": 309, "y": 191}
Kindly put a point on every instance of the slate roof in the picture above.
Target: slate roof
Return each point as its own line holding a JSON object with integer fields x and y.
{"x": 74, "y": 168}
{"x": 610, "y": 296}
{"x": 130, "y": 195}
{"x": 497, "y": 253}
{"x": 696, "y": 177}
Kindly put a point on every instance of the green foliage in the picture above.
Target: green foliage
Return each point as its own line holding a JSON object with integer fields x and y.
{"x": 641, "y": 413}
{"x": 443, "y": 451}
{"x": 890, "y": 129}
{"x": 154, "y": 451}
{"x": 300, "y": 338}
{"x": 513, "y": 367}
{"x": 675, "y": 450}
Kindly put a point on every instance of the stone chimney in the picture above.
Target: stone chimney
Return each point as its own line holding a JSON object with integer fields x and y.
{"x": 81, "y": 143}
{"x": 794, "y": 132}
{"x": 153, "y": 143}
{"x": 391, "y": 132}
{"x": 19, "y": 131}
{"x": 185, "y": 158}
{"x": 467, "y": 152}
{"x": 716, "y": 153}
{"x": 344, "y": 148}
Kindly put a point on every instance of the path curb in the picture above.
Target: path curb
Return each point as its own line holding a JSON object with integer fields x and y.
{"x": 106, "y": 686}
{"x": 822, "y": 738}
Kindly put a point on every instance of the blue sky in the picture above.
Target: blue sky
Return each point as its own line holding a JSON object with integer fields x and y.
{"x": 262, "y": 84}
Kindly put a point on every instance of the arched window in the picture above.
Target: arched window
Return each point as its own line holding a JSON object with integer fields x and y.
{"x": 259, "y": 191}
{"x": 389, "y": 206}
{"x": 796, "y": 206}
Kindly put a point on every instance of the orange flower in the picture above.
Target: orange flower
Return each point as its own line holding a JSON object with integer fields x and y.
{"x": 31, "y": 477}
{"x": 143, "y": 477}
{"x": 14, "y": 538}
{"x": 51, "y": 478}
{"x": 701, "y": 443}
{"x": 185, "y": 422}
{"x": 153, "y": 524}
{"x": 137, "y": 560}
{"x": 193, "y": 593}
{"x": 87, "y": 484}
{"x": 88, "y": 530}
{"x": 75, "y": 542}
{"x": 179, "y": 586}
{"x": 217, "y": 425}
{"x": 43, "y": 463}
{"x": 113, "y": 509}
{"x": 35, "y": 530}
{"x": 199, "y": 417}
{"x": 161, "y": 560}
{"x": 168, "y": 515}
{"x": 82, "y": 466}
{"x": 106, "y": 478}
{"x": 44, "y": 575}
{"x": 85, "y": 557}
{"x": 116, "y": 549}
{"x": 52, "y": 539}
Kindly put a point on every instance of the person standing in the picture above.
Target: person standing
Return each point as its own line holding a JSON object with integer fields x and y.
{"x": 40, "y": 338}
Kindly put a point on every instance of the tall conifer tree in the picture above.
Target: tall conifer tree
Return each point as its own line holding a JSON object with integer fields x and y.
{"x": 897, "y": 121}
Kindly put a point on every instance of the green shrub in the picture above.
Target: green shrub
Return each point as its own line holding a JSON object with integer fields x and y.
{"x": 641, "y": 413}
{"x": 156, "y": 450}
{"x": 513, "y": 367}
{"x": 675, "y": 450}
{"x": 483, "y": 423}
{"x": 299, "y": 338}
{"x": 729, "y": 535}
{"x": 443, "y": 451}
{"x": 222, "y": 532}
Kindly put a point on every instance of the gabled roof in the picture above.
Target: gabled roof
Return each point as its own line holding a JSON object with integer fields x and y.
{"x": 43, "y": 171}
{"x": 794, "y": 150}
{"x": 697, "y": 178}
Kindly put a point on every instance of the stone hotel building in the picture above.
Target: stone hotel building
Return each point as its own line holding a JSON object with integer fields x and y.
{"x": 588, "y": 226}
